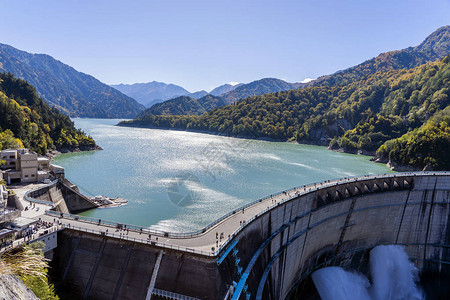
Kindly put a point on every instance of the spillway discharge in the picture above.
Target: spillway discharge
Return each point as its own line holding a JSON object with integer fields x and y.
{"x": 393, "y": 277}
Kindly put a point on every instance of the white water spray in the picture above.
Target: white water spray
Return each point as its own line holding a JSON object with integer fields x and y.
{"x": 393, "y": 278}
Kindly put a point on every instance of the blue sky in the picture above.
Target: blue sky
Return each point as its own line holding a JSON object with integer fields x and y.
{"x": 203, "y": 44}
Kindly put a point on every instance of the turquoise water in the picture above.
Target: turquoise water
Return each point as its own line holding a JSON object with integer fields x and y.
{"x": 181, "y": 181}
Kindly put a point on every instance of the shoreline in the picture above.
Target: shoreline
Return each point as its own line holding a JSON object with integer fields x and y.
{"x": 56, "y": 152}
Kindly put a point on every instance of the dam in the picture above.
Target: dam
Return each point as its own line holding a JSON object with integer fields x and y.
{"x": 264, "y": 250}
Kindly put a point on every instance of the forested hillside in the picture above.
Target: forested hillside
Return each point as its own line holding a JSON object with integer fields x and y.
{"x": 26, "y": 120}
{"x": 74, "y": 93}
{"x": 426, "y": 146}
{"x": 258, "y": 87}
{"x": 360, "y": 115}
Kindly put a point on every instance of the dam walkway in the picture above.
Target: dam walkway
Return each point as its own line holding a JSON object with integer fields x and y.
{"x": 266, "y": 249}
{"x": 214, "y": 237}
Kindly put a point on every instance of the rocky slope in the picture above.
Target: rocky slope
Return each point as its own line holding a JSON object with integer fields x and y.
{"x": 11, "y": 287}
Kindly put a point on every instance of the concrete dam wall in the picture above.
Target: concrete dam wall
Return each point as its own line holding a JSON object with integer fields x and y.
{"x": 273, "y": 254}
{"x": 64, "y": 196}
{"x": 95, "y": 267}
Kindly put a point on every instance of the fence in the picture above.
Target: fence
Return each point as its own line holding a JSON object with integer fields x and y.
{"x": 34, "y": 200}
{"x": 306, "y": 189}
{"x": 142, "y": 240}
{"x": 31, "y": 238}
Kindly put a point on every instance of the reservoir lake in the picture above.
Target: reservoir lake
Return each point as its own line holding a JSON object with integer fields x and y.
{"x": 181, "y": 181}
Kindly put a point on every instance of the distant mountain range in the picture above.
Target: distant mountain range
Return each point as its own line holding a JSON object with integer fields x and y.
{"x": 72, "y": 92}
{"x": 198, "y": 95}
{"x": 224, "y": 89}
{"x": 151, "y": 92}
{"x": 155, "y": 92}
{"x": 187, "y": 105}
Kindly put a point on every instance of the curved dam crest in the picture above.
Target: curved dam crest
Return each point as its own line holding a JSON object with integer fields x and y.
{"x": 268, "y": 249}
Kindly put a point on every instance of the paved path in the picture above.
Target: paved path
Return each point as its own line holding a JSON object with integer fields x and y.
{"x": 204, "y": 242}
{"x": 20, "y": 190}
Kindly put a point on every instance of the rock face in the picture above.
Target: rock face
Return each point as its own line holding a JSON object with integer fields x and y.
{"x": 11, "y": 287}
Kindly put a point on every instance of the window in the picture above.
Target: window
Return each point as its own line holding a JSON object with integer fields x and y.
{"x": 26, "y": 176}
{"x": 12, "y": 156}
{"x": 32, "y": 175}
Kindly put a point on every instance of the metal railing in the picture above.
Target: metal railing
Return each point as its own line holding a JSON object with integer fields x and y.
{"x": 171, "y": 295}
{"x": 33, "y": 237}
{"x": 305, "y": 189}
{"x": 123, "y": 236}
{"x": 34, "y": 200}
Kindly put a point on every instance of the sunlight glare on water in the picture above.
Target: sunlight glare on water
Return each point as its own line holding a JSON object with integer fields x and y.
{"x": 154, "y": 168}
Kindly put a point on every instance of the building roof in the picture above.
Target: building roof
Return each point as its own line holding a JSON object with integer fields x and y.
{"x": 56, "y": 166}
{"x": 11, "y": 171}
{"x": 57, "y": 169}
{"x": 9, "y": 150}
{"x": 23, "y": 222}
{"x": 43, "y": 159}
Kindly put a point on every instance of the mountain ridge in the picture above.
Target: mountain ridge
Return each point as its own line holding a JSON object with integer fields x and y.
{"x": 259, "y": 87}
{"x": 224, "y": 88}
{"x": 176, "y": 107}
{"x": 149, "y": 93}
{"x": 154, "y": 92}
{"x": 434, "y": 46}
{"x": 75, "y": 93}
